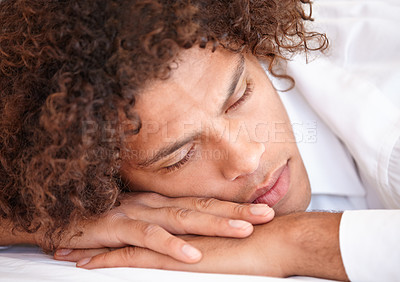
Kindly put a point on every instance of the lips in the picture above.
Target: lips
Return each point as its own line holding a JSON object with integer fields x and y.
{"x": 276, "y": 188}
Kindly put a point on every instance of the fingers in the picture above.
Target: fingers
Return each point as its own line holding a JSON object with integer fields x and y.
{"x": 106, "y": 257}
{"x": 154, "y": 237}
{"x": 78, "y": 254}
{"x": 148, "y": 219}
{"x": 200, "y": 216}
{"x": 253, "y": 213}
{"x": 185, "y": 221}
{"x": 128, "y": 257}
{"x": 143, "y": 234}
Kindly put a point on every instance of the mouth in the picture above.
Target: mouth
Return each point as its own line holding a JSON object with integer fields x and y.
{"x": 275, "y": 187}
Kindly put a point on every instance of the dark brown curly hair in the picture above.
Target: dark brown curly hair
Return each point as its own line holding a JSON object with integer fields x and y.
{"x": 69, "y": 65}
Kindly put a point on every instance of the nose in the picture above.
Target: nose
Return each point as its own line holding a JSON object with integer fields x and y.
{"x": 243, "y": 155}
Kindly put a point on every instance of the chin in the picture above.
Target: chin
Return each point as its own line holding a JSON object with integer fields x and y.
{"x": 298, "y": 197}
{"x": 290, "y": 208}
{"x": 283, "y": 210}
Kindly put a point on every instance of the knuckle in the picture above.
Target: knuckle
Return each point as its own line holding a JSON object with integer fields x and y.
{"x": 151, "y": 234}
{"x": 205, "y": 203}
{"x": 182, "y": 213}
{"x": 151, "y": 230}
{"x": 239, "y": 209}
{"x": 128, "y": 254}
{"x": 115, "y": 217}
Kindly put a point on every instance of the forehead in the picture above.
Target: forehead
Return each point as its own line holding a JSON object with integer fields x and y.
{"x": 190, "y": 97}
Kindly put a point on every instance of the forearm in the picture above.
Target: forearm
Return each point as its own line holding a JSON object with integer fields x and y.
{"x": 304, "y": 244}
{"x": 301, "y": 244}
{"x": 8, "y": 236}
{"x": 312, "y": 245}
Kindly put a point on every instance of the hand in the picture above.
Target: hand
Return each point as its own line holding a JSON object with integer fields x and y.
{"x": 258, "y": 254}
{"x": 296, "y": 244}
{"x": 220, "y": 255}
{"x": 148, "y": 220}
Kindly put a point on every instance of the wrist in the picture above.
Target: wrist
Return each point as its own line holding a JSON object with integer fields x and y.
{"x": 313, "y": 238}
{"x": 11, "y": 236}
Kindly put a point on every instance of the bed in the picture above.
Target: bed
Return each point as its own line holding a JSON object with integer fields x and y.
{"x": 350, "y": 25}
{"x": 29, "y": 263}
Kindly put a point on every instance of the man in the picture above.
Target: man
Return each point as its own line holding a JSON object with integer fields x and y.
{"x": 209, "y": 66}
{"x": 238, "y": 106}
{"x": 262, "y": 162}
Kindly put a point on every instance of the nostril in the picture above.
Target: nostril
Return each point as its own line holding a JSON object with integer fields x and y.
{"x": 242, "y": 167}
{"x": 243, "y": 175}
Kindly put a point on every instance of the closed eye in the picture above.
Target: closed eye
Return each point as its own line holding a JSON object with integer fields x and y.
{"x": 183, "y": 161}
{"x": 247, "y": 93}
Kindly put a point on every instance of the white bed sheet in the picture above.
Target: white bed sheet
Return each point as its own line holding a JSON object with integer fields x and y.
{"x": 29, "y": 263}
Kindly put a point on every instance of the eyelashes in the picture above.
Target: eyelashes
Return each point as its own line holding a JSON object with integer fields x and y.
{"x": 179, "y": 164}
{"x": 247, "y": 93}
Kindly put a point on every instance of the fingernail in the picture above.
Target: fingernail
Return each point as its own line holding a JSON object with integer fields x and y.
{"x": 191, "y": 252}
{"x": 260, "y": 209}
{"x": 239, "y": 224}
{"x": 63, "y": 252}
{"x": 83, "y": 262}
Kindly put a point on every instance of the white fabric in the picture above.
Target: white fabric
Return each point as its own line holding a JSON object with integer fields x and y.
{"x": 29, "y": 264}
{"x": 355, "y": 91}
{"x": 365, "y": 120}
{"x": 394, "y": 170}
{"x": 358, "y": 85}
{"x": 334, "y": 181}
{"x": 368, "y": 253}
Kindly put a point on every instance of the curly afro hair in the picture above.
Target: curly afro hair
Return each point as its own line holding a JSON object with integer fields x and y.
{"x": 67, "y": 65}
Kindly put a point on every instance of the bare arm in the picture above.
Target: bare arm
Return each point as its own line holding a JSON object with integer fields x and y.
{"x": 304, "y": 244}
{"x": 8, "y": 237}
{"x": 150, "y": 220}
{"x": 314, "y": 240}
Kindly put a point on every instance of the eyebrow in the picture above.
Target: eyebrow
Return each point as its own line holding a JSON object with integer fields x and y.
{"x": 234, "y": 82}
{"x": 171, "y": 148}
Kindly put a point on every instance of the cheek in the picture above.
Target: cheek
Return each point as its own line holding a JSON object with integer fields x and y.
{"x": 197, "y": 180}
{"x": 266, "y": 118}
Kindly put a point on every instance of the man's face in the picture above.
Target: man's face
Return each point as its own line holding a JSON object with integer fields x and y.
{"x": 217, "y": 128}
